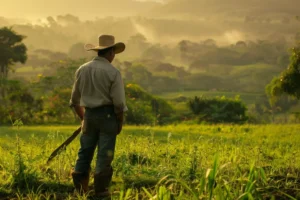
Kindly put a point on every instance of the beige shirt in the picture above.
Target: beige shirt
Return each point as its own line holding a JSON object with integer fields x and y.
{"x": 98, "y": 83}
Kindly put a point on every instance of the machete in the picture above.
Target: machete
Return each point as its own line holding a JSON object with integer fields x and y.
{"x": 64, "y": 145}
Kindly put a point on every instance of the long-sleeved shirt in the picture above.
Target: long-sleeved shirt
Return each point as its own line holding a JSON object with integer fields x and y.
{"x": 98, "y": 83}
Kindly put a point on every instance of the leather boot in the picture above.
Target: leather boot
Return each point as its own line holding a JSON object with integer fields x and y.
{"x": 81, "y": 181}
{"x": 101, "y": 183}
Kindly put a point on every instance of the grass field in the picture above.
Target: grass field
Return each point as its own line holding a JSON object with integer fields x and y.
{"x": 29, "y": 69}
{"x": 27, "y": 72}
{"x": 248, "y": 98}
{"x": 171, "y": 162}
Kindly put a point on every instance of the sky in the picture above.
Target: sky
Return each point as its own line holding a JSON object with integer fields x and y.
{"x": 88, "y": 9}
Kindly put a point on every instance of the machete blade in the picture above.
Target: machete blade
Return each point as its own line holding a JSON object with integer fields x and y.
{"x": 63, "y": 145}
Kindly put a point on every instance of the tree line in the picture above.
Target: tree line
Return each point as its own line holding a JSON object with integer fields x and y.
{"x": 46, "y": 97}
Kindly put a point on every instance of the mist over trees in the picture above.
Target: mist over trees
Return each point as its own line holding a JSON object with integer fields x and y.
{"x": 60, "y": 32}
{"x": 235, "y": 8}
{"x": 242, "y": 66}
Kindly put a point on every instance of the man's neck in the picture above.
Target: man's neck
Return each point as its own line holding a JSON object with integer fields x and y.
{"x": 104, "y": 58}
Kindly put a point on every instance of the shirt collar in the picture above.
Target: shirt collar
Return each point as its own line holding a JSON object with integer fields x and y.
{"x": 101, "y": 59}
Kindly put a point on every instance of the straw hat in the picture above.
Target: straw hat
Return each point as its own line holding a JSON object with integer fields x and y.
{"x": 106, "y": 41}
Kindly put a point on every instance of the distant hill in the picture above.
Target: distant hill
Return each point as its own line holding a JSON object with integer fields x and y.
{"x": 204, "y": 8}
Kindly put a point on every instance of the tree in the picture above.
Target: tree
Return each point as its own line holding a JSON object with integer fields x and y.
{"x": 241, "y": 44}
{"x": 210, "y": 42}
{"x": 12, "y": 50}
{"x": 154, "y": 52}
{"x": 278, "y": 102}
{"x": 138, "y": 74}
{"x": 67, "y": 19}
{"x": 289, "y": 80}
{"x": 62, "y": 78}
{"x": 77, "y": 51}
{"x": 137, "y": 44}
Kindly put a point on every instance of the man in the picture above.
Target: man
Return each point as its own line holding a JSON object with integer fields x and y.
{"x": 99, "y": 89}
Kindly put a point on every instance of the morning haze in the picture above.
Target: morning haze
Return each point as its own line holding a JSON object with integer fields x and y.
{"x": 34, "y": 9}
{"x": 211, "y": 91}
{"x": 159, "y": 21}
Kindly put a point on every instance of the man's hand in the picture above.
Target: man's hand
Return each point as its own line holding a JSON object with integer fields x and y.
{"x": 79, "y": 111}
{"x": 120, "y": 118}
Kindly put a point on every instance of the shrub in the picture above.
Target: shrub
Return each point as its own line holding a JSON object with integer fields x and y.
{"x": 134, "y": 91}
{"x": 139, "y": 113}
{"x": 19, "y": 103}
{"x": 219, "y": 109}
{"x": 57, "y": 105}
{"x": 143, "y": 108}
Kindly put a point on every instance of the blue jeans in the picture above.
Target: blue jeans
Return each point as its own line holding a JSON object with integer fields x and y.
{"x": 99, "y": 129}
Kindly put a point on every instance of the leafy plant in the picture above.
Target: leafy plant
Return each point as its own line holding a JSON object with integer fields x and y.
{"x": 218, "y": 110}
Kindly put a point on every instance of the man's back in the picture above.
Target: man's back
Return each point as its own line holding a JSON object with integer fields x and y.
{"x": 98, "y": 83}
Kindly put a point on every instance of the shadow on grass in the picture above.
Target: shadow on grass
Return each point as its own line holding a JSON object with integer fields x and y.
{"x": 139, "y": 182}
{"x": 4, "y": 194}
{"x": 61, "y": 191}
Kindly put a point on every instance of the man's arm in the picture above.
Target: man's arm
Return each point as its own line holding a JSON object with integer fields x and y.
{"x": 120, "y": 118}
{"x": 75, "y": 98}
{"x": 117, "y": 94}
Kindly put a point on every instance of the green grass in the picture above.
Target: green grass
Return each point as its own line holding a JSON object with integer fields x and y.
{"x": 29, "y": 69}
{"x": 245, "y": 70}
{"x": 181, "y": 162}
{"x": 248, "y": 98}
{"x": 27, "y": 72}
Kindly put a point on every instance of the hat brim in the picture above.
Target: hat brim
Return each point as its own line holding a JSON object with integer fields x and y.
{"x": 118, "y": 47}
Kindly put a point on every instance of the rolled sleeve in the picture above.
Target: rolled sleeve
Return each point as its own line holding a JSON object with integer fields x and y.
{"x": 75, "y": 96}
{"x": 117, "y": 94}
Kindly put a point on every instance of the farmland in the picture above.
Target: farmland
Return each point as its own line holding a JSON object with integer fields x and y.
{"x": 168, "y": 162}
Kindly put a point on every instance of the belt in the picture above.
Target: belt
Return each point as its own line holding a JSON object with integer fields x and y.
{"x": 104, "y": 108}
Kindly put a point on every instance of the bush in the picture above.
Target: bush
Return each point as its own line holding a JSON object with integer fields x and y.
{"x": 134, "y": 91}
{"x": 19, "y": 103}
{"x": 139, "y": 113}
{"x": 57, "y": 108}
{"x": 143, "y": 108}
{"x": 219, "y": 109}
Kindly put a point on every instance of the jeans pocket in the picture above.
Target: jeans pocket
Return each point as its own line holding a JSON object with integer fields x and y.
{"x": 109, "y": 124}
